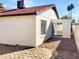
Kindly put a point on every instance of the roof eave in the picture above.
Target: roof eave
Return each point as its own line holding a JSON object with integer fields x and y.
{"x": 18, "y": 14}
{"x": 54, "y": 8}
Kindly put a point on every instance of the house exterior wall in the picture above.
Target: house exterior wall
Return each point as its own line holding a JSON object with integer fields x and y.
{"x": 18, "y": 30}
{"x": 66, "y": 28}
{"x": 75, "y": 28}
{"x": 58, "y": 27}
{"x": 49, "y": 16}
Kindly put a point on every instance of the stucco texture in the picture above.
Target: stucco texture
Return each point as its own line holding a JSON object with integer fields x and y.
{"x": 26, "y": 29}
{"x": 18, "y": 30}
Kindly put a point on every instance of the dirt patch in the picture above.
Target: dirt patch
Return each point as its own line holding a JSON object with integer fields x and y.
{"x": 4, "y": 48}
{"x": 64, "y": 54}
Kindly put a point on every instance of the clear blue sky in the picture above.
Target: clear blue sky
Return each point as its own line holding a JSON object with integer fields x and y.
{"x": 60, "y": 4}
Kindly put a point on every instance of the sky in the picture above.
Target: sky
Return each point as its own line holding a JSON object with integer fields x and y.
{"x": 61, "y": 5}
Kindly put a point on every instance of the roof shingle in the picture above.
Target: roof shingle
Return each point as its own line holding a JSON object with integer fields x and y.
{"x": 30, "y": 10}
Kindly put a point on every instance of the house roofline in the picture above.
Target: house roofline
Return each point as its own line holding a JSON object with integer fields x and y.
{"x": 34, "y": 13}
{"x": 18, "y": 14}
{"x": 54, "y": 8}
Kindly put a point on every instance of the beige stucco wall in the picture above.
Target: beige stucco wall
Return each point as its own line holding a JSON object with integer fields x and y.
{"x": 57, "y": 28}
{"x": 50, "y": 17}
{"x": 75, "y": 28}
{"x": 18, "y": 30}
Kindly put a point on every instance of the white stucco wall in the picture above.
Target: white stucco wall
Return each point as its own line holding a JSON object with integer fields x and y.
{"x": 18, "y": 30}
{"x": 49, "y": 16}
{"x": 26, "y": 30}
{"x": 66, "y": 28}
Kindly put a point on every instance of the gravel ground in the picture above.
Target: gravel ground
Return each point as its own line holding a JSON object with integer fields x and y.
{"x": 64, "y": 55}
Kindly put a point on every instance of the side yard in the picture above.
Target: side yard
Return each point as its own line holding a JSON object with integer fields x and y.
{"x": 55, "y": 48}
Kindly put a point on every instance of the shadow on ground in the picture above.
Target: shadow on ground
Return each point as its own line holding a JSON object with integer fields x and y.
{"x": 66, "y": 49}
{"x": 62, "y": 48}
{"x": 67, "y": 44}
{"x": 60, "y": 44}
{"x": 4, "y": 49}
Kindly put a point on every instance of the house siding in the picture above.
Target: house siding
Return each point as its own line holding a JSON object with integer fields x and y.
{"x": 49, "y": 16}
{"x": 26, "y": 29}
{"x": 18, "y": 30}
